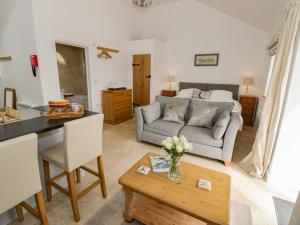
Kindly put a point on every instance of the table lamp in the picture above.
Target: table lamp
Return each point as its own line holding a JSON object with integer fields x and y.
{"x": 248, "y": 81}
{"x": 171, "y": 79}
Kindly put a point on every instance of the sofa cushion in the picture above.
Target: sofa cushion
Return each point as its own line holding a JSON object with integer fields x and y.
{"x": 171, "y": 100}
{"x": 168, "y": 129}
{"x": 175, "y": 113}
{"x": 221, "y": 125}
{"x": 202, "y": 116}
{"x": 200, "y": 135}
{"x": 222, "y": 106}
{"x": 151, "y": 112}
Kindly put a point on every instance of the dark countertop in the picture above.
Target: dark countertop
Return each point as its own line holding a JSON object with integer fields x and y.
{"x": 36, "y": 125}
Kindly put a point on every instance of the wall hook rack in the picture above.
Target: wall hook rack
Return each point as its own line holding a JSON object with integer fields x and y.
{"x": 5, "y": 58}
{"x": 105, "y": 52}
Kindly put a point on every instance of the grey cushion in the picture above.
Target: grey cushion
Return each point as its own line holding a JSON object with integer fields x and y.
{"x": 171, "y": 100}
{"x": 202, "y": 116}
{"x": 201, "y": 135}
{"x": 221, "y": 125}
{"x": 222, "y": 106}
{"x": 168, "y": 129}
{"x": 175, "y": 113}
{"x": 151, "y": 112}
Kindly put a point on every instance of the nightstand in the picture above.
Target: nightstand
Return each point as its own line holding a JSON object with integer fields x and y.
{"x": 249, "y": 107}
{"x": 168, "y": 93}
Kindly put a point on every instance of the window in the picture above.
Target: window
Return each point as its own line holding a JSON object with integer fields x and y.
{"x": 269, "y": 74}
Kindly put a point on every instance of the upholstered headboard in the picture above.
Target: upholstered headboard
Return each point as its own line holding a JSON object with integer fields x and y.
{"x": 209, "y": 87}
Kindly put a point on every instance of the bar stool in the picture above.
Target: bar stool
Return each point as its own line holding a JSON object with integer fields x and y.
{"x": 82, "y": 143}
{"x": 20, "y": 177}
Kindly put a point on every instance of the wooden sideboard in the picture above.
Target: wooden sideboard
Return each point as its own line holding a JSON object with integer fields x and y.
{"x": 117, "y": 106}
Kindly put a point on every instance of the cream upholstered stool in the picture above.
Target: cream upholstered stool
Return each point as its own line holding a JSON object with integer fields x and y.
{"x": 82, "y": 143}
{"x": 20, "y": 177}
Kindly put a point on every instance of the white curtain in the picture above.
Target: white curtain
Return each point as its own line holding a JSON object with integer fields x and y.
{"x": 257, "y": 162}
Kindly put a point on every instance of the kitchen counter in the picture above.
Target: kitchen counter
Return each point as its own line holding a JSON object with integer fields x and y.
{"x": 36, "y": 125}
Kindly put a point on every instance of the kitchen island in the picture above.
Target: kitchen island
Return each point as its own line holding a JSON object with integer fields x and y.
{"x": 49, "y": 132}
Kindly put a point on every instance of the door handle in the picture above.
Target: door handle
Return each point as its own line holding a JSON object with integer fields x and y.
{"x": 148, "y": 76}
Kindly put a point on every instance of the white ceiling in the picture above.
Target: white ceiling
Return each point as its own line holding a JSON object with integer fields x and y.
{"x": 262, "y": 14}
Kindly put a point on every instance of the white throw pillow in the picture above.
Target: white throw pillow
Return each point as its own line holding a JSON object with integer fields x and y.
{"x": 189, "y": 93}
{"x": 221, "y": 93}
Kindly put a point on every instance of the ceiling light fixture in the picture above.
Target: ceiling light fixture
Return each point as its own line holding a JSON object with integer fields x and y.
{"x": 142, "y": 3}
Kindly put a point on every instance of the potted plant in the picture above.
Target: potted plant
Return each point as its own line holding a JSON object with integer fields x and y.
{"x": 176, "y": 147}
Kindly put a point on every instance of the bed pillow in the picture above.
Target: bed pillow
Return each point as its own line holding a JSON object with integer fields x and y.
{"x": 151, "y": 112}
{"x": 223, "y": 93}
{"x": 186, "y": 93}
{"x": 202, "y": 116}
{"x": 221, "y": 98}
{"x": 221, "y": 125}
{"x": 175, "y": 113}
{"x": 196, "y": 93}
{"x": 205, "y": 95}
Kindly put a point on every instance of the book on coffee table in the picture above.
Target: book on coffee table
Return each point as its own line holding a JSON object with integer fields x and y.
{"x": 160, "y": 164}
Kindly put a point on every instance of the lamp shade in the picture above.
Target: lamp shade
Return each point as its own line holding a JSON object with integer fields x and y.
{"x": 248, "y": 81}
{"x": 171, "y": 78}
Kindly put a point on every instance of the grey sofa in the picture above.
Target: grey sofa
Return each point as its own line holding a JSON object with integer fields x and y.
{"x": 203, "y": 142}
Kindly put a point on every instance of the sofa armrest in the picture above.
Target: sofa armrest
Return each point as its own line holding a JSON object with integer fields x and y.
{"x": 139, "y": 122}
{"x": 230, "y": 136}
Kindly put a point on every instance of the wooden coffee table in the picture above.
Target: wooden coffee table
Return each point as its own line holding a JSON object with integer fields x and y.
{"x": 155, "y": 200}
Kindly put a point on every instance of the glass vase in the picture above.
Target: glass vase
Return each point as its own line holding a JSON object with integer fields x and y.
{"x": 174, "y": 171}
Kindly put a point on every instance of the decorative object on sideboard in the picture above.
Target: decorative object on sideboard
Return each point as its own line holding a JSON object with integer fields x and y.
{"x": 115, "y": 87}
{"x": 142, "y": 3}
{"x": 171, "y": 79}
{"x": 207, "y": 59}
{"x": 105, "y": 52}
{"x": 248, "y": 81}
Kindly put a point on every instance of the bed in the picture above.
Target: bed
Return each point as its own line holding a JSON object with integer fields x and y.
{"x": 209, "y": 87}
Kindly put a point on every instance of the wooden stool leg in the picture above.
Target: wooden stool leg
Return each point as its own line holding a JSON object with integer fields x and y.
{"x": 20, "y": 213}
{"x": 73, "y": 196}
{"x": 101, "y": 176}
{"x": 41, "y": 208}
{"x": 78, "y": 175}
{"x": 47, "y": 176}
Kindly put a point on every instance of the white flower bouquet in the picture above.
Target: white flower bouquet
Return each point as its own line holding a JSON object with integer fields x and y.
{"x": 176, "y": 147}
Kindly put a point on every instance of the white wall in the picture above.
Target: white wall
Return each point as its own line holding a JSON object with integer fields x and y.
{"x": 189, "y": 27}
{"x": 17, "y": 39}
{"x": 157, "y": 50}
{"x": 109, "y": 23}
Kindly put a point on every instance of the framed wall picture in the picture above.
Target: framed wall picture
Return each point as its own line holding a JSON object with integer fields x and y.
{"x": 207, "y": 59}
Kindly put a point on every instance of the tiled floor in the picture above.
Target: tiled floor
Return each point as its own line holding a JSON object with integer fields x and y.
{"x": 121, "y": 151}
